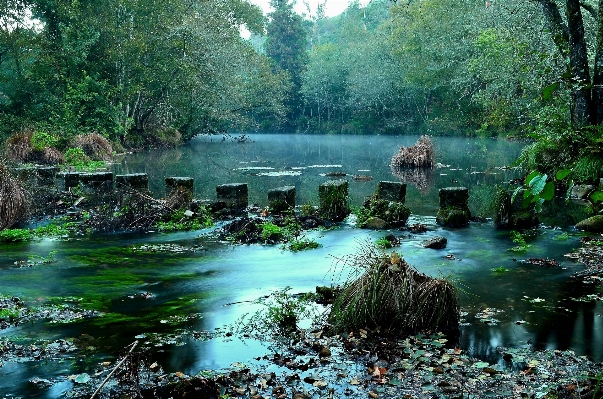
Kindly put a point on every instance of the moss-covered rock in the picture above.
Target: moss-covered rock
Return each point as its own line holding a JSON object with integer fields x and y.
{"x": 453, "y": 217}
{"x": 593, "y": 224}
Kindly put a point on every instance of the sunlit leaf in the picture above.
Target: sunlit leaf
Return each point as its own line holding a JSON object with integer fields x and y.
{"x": 530, "y": 177}
{"x": 548, "y": 192}
{"x": 562, "y": 174}
{"x": 537, "y": 183}
{"x": 596, "y": 196}
{"x": 82, "y": 378}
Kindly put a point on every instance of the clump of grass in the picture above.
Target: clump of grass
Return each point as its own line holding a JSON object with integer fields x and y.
{"x": 385, "y": 291}
{"x": 13, "y": 199}
{"x": 420, "y": 155}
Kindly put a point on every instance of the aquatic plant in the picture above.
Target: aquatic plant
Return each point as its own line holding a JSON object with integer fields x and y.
{"x": 272, "y": 232}
{"x": 395, "y": 214}
{"x": 383, "y": 243}
{"x": 384, "y": 291}
{"x": 420, "y": 155}
{"x": 301, "y": 244}
{"x": 500, "y": 269}
{"x": 13, "y": 199}
{"x": 520, "y": 240}
{"x": 279, "y": 316}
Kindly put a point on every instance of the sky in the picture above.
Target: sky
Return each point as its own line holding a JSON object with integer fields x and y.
{"x": 333, "y": 7}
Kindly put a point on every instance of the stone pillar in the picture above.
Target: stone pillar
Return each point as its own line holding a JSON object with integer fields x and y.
{"x": 67, "y": 180}
{"x": 96, "y": 182}
{"x": 183, "y": 185}
{"x": 454, "y": 207}
{"x": 391, "y": 191}
{"x": 281, "y": 199}
{"x": 135, "y": 181}
{"x": 514, "y": 215}
{"x": 333, "y": 197}
{"x": 234, "y": 195}
{"x": 46, "y": 175}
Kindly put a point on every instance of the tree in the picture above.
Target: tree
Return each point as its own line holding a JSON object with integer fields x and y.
{"x": 286, "y": 43}
{"x": 570, "y": 37}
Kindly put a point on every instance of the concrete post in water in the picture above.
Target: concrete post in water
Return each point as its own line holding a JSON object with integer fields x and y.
{"x": 454, "y": 208}
{"x": 333, "y": 197}
{"x": 281, "y": 198}
{"x": 97, "y": 182}
{"x": 46, "y": 175}
{"x": 391, "y": 191}
{"x": 234, "y": 195}
{"x": 514, "y": 215}
{"x": 182, "y": 185}
{"x": 134, "y": 181}
{"x": 67, "y": 180}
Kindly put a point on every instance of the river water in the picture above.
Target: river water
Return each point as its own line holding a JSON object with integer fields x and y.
{"x": 507, "y": 303}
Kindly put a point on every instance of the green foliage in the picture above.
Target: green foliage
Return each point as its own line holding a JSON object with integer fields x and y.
{"x": 77, "y": 158}
{"x": 9, "y": 314}
{"x": 383, "y": 243}
{"x": 301, "y": 244}
{"x": 41, "y": 140}
{"x": 520, "y": 240}
{"x": 500, "y": 269}
{"x": 272, "y": 232}
{"x": 51, "y": 230}
{"x": 16, "y": 235}
{"x": 393, "y": 213}
{"x": 178, "y": 221}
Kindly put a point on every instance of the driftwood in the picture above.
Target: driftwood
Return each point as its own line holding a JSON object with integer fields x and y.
{"x": 420, "y": 155}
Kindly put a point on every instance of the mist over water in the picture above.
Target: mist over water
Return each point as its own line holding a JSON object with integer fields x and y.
{"x": 525, "y": 305}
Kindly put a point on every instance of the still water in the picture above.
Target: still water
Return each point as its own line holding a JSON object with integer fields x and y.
{"x": 520, "y": 306}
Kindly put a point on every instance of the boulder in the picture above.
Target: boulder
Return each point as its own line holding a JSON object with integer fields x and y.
{"x": 375, "y": 223}
{"x": 593, "y": 224}
{"x": 582, "y": 191}
{"x": 437, "y": 242}
{"x": 391, "y": 191}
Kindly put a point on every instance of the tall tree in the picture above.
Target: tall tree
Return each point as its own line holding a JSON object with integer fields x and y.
{"x": 286, "y": 44}
{"x": 571, "y": 38}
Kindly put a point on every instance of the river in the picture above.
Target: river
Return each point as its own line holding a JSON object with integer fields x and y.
{"x": 507, "y": 302}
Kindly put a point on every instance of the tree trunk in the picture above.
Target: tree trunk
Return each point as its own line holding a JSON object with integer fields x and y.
{"x": 559, "y": 31}
{"x": 580, "y": 75}
{"x": 597, "y": 91}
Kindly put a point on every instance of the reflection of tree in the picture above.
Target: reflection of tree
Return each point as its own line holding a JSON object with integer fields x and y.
{"x": 422, "y": 178}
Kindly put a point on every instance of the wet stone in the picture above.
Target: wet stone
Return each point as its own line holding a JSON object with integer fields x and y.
{"x": 234, "y": 195}
{"x": 391, "y": 191}
{"x": 333, "y": 197}
{"x": 46, "y": 175}
{"x": 67, "y": 180}
{"x": 135, "y": 181}
{"x": 436, "y": 242}
{"x": 281, "y": 198}
{"x": 97, "y": 181}
{"x": 456, "y": 197}
{"x": 185, "y": 185}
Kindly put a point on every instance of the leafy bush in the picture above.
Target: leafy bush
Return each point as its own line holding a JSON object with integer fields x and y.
{"x": 77, "y": 158}
{"x": 41, "y": 140}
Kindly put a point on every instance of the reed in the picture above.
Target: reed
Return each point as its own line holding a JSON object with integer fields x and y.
{"x": 13, "y": 198}
{"x": 385, "y": 292}
{"x": 95, "y": 146}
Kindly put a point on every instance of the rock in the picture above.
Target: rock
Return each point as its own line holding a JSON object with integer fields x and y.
{"x": 437, "y": 242}
{"x": 324, "y": 352}
{"x": 582, "y": 191}
{"x": 333, "y": 197}
{"x": 391, "y": 191}
{"x": 453, "y": 217}
{"x": 234, "y": 195}
{"x": 593, "y": 224}
{"x": 376, "y": 223}
{"x": 281, "y": 198}
{"x": 136, "y": 181}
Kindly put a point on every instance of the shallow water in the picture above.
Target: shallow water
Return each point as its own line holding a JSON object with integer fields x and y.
{"x": 527, "y": 305}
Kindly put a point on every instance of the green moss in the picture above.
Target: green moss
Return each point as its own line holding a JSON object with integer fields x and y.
{"x": 453, "y": 217}
{"x": 393, "y": 213}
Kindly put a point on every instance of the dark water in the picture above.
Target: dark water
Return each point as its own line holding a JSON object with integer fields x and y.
{"x": 526, "y": 305}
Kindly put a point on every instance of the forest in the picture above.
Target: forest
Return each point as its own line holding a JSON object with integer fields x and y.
{"x": 153, "y": 74}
